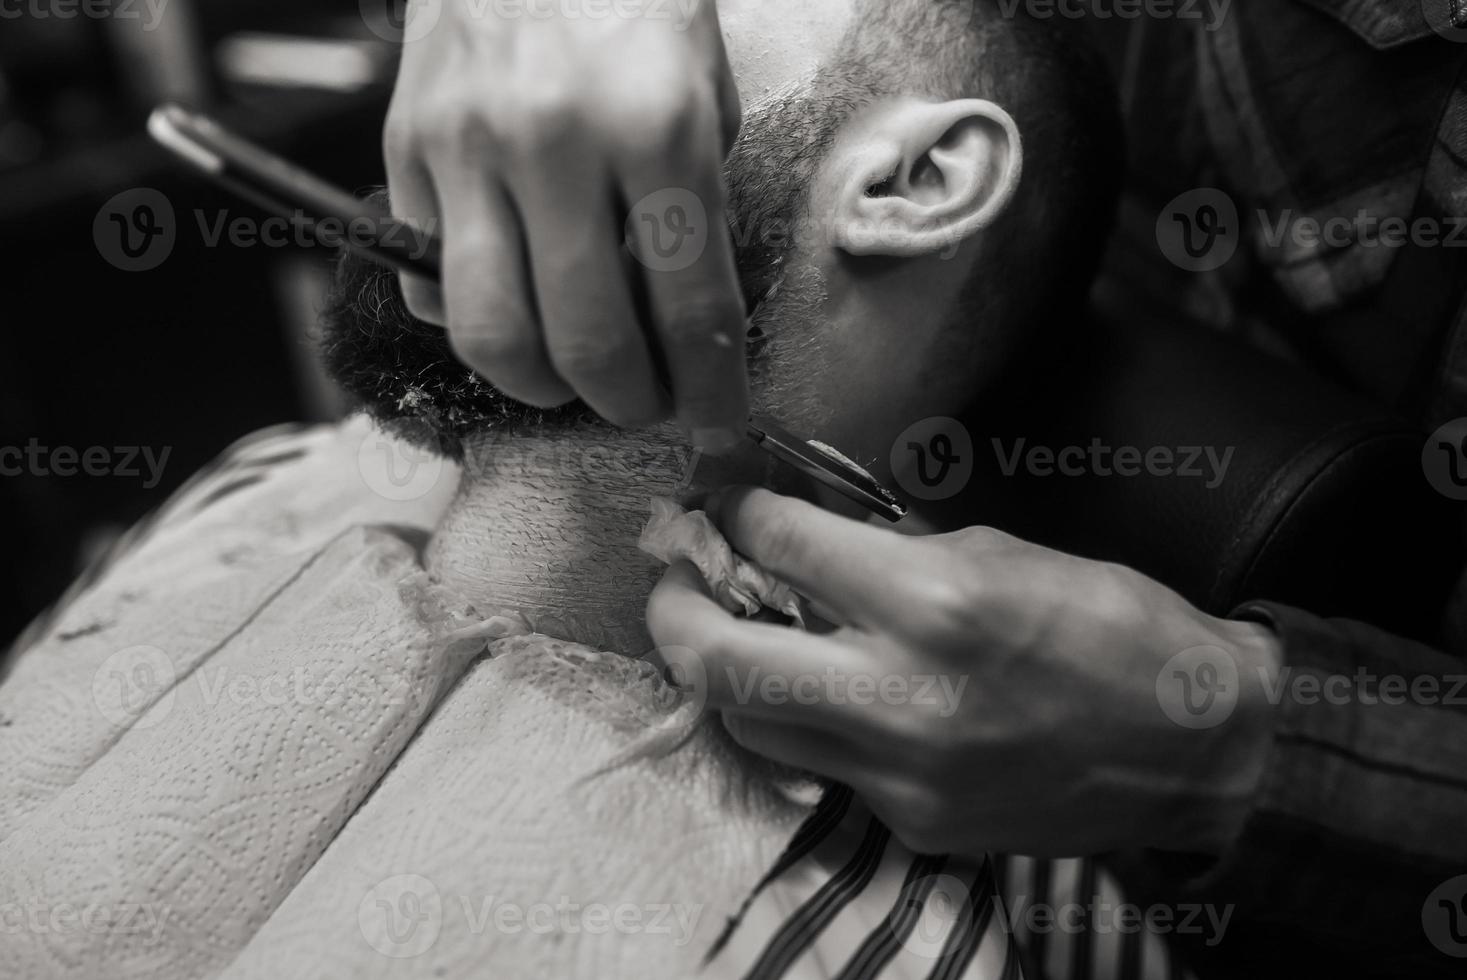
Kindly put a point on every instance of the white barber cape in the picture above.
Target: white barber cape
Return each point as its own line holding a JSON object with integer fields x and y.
{"x": 258, "y": 742}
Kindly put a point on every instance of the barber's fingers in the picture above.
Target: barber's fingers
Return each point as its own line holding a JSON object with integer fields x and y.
{"x": 695, "y": 301}
{"x": 410, "y": 193}
{"x": 730, "y": 103}
{"x": 581, "y": 280}
{"x": 862, "y": 574}
{"x": 492, "y": 320}
{"x": 757, "y": 669}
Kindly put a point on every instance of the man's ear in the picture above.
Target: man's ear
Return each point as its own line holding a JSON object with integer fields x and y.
{"x": 918, "y": 178}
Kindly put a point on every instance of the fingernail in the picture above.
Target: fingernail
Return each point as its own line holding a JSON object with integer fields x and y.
{"x": 716, "y": 441}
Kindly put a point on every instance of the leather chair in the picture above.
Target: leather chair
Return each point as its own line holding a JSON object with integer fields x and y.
{"x": 1324, "y": 504}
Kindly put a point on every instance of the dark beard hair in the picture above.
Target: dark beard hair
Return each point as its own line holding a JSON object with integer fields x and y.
{"x": 402, "y": 372}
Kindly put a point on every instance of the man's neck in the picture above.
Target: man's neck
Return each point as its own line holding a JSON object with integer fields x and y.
{"x": 546, "y": 525}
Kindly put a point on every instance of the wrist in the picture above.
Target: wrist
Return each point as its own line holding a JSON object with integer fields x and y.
{"x": 1228, "y": 762}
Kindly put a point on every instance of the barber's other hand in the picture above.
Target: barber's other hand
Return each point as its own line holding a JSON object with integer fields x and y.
{"x": 523, "y": 140}
{"x": 982, "y": 693}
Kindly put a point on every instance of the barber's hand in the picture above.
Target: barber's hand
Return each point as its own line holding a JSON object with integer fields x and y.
{"x": 982, "y": 693}
{"x": 523, "y": 141}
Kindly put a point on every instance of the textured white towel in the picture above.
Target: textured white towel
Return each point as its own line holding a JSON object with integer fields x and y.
{"x": 262, "y": 746}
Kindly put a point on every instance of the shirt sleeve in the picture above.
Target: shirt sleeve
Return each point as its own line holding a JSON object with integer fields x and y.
{"x": 1356, "y": 851}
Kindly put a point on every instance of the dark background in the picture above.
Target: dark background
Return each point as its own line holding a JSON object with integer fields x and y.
{"x": 214, "y": 342}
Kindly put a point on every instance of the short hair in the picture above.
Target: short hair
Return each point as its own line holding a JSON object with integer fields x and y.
{"x": 1050, "y": 76}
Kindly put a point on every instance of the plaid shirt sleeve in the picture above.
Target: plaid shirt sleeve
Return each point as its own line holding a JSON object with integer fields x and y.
{"x": 1354, "y": 860}
{"x": 1329, "y": 125}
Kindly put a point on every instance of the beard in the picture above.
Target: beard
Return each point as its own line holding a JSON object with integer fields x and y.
{"x": 402, "y": 372}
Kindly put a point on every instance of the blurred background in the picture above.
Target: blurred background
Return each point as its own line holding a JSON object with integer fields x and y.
{"x": 188, "y": 347}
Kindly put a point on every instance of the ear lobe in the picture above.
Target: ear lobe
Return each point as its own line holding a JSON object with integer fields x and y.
{"x": 925, "y": 177}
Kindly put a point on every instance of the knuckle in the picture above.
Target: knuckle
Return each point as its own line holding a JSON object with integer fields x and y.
{"x": 547, "y": 115}
{"x": 467, "y": 242}
{"x": 651, "y": 102}
{"x": 979, "y": 538}
{"x": 947, "y": 605}
{"x": 450, "y": 124}
{"x": 668, "y": 121}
